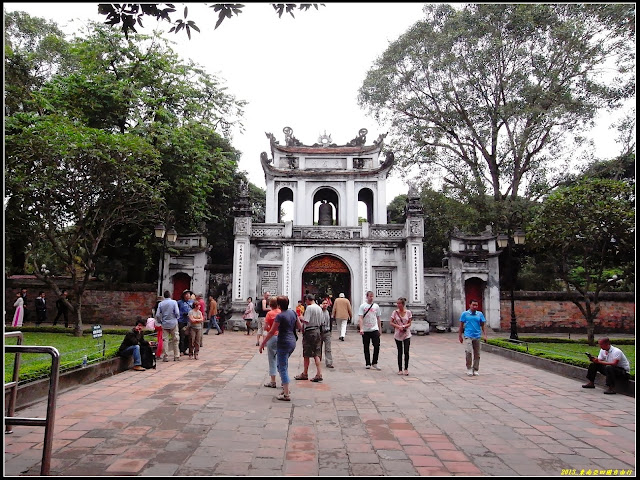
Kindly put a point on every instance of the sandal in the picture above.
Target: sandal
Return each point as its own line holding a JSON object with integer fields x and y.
{"x": 302, "y": 376}
{"x": 270, "y": 384}
{"x": 284, "y": 398}
{"x": 316, "y": 379}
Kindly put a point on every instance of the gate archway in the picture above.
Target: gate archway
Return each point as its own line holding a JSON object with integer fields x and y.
{"x": 326, "y": 275}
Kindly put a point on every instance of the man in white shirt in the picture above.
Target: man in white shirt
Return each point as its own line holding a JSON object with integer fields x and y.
{"x": 370, "y": 329}
{"x": 611, "y": 362}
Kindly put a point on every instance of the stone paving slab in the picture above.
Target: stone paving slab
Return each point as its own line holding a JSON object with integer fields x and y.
{"x": 212, "y": 416}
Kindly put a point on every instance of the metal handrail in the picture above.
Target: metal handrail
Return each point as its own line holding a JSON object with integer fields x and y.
{"x": 13, "y": 385}
{"x": 49, "y": 420}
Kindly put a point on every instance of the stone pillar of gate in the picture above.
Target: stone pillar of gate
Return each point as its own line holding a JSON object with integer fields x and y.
{"x": 241, "y": 260}
{"x": 415, "y": 263}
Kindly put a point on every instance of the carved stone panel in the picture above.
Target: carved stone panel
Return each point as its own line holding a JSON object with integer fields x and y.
{"x": 269, "y": 280}
{"x": 239, "y": 258}
{"x": 326, "y": 163}
{"x": 287, "y": 269}
{"x": 416, "y": 273}
{"x": 416, "y": 228}
{"x": 241, "y": 226}
{"x": 366, "y": 265}
{"x": 384, "y": 283}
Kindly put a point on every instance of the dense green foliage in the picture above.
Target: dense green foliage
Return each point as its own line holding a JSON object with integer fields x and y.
{"x": 105, "y": 137}
{"x": 495, "y": 96}
{"x": 587, "y": 231}
{"x": 570, "y": 353}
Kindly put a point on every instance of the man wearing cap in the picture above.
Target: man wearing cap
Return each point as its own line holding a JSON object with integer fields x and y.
{"x": 342, "y": 313}
{"x": 185, "y": 304}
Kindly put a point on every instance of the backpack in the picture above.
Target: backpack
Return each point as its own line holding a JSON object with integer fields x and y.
{"x": 147, "y": 357}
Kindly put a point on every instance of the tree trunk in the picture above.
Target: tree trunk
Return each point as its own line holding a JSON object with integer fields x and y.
{"x": 590, "y": 330}
{"x": 77, "y": 331}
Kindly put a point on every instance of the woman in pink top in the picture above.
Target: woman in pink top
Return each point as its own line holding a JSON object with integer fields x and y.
{"x": 401, "y": 322}
{"x": 272, "y": 344}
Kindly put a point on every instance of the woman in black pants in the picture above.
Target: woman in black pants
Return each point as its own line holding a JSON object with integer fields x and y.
{"x": 401, "y": 322}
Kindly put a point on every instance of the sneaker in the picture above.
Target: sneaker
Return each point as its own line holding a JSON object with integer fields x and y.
{"x": 176, "y": 359}
{"x": 376, "y": 367}
{"x": 329, "y": 366}
{"x": 470, "y": 372}
{"x": 368, "y": 367}
{"x": 165, "y": 359}
{"x": 138, "y": 368}
{"x": 342, "y": 339}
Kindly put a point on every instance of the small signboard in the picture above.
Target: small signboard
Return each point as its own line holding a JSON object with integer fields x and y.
{"x": 97, "y": 331}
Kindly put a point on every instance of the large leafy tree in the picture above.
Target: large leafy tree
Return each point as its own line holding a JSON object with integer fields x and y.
{"x": 74, "y": 185}
{"x": 34, "y": 49}
{"x": 127, "y": 93}
{"x": 587, "y": 231}
{"x": 491, "y": 94}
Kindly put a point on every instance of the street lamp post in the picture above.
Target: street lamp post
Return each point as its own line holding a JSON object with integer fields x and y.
{"x": 508, "y": 241}
{"x": 170, "y": 237}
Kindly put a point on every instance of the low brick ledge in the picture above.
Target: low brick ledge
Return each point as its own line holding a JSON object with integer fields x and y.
{"x": 571, "y": 371}
{"x": 33, "y": 392}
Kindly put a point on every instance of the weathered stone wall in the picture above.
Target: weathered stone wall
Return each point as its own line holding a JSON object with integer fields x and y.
{"x": 101, "y": 303}
{"x": 554, "y": 312}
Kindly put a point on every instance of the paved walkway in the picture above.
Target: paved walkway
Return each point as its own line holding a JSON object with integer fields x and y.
{"x": 212, "y": 416}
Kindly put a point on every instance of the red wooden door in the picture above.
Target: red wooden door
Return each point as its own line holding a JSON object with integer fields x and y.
{"x": 474, "y": 290}
{"x": 181, "y": 282}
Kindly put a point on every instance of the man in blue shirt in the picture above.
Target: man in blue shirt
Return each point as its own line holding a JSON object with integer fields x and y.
{"x": 185, "y": 304}
{"x": 471, "y": 326}
{"x": 167, "y": 313}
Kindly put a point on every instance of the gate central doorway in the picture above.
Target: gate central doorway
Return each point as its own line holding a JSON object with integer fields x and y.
{"x": 326, "y": 275}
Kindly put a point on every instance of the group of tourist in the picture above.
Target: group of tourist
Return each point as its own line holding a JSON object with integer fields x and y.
{"x": 182, "y": 324}
{"x": 314, "y": 321}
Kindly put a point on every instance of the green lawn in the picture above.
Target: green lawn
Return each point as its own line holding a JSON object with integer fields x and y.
{"x": 571, "y": 353}
{"x": 71, "y": 348}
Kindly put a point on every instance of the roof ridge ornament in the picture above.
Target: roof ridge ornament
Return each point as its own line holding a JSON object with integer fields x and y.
{"x": 272, "y": 138}
{"x": 379, "y": 140}
{"x": 360, "y": 140}
{"x": 324, "y": 140}
{"x": 289, "y": 139}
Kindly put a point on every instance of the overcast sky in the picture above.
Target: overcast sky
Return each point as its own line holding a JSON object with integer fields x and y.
{"x": 303, "y": 73}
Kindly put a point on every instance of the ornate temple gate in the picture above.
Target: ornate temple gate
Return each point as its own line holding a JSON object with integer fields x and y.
{"x": 326, "y": 275}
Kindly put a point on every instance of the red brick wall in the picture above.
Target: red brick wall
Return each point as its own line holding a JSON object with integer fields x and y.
{"x": 101, "y": 304}
{"x": 549, "y": 315}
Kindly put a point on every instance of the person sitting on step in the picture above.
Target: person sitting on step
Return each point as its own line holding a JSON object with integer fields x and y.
{"x": 131, "y": 343}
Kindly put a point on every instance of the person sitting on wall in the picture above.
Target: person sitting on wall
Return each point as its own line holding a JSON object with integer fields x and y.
{"x": 611, "y": 362}
{"x": 131, "y": 343}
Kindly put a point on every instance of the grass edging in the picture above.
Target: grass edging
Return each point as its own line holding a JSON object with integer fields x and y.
{"x": 561, "y": 368}
{"x": 578, "y": 362}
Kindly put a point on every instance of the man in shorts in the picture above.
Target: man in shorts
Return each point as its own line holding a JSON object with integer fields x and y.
{"x": 311, "y": 339}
